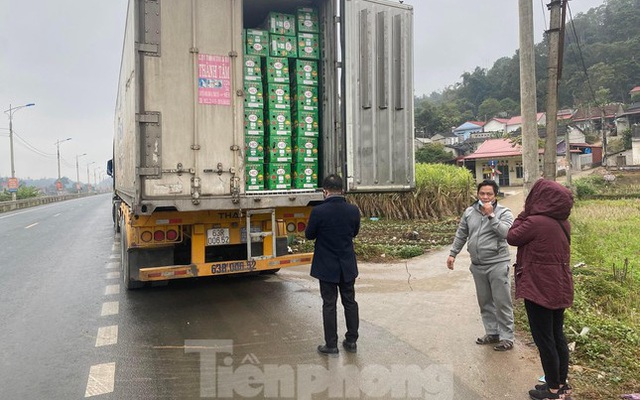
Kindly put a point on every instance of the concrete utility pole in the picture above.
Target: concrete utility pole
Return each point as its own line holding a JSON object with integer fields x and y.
{"x": 58, "y": 154}
{"x": 553, "y": 68}
{"x": 11, "y": 111}
{"x": 528, "y": 96}
{"x": 78, "y": 185}
{"x": 567, "y": 153}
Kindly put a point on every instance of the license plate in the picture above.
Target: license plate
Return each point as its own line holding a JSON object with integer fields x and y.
{"x": 217, "y": 236}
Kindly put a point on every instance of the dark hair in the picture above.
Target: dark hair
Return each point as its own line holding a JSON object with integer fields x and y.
{"x": 332, "y": 183}
{"x": 489, "y": 182}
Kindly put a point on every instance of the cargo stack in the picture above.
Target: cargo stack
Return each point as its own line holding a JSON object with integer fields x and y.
{"x": 281, "y": 78}
{"x": 254, "y": 138}
{"x": 304, "y": 89}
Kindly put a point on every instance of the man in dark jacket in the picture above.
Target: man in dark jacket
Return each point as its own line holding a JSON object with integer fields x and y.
{"x": 333, "y": 224}
{"x": 544, "y": 280}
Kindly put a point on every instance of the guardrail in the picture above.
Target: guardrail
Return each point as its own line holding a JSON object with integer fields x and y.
{"x": 36, "y": 201}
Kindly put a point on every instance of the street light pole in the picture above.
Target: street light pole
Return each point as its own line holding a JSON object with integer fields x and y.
{"x": 10, "y": 111}
{"x": 89, "y": 176}
{"x": 78, "y": 171}
{"x": 58, "y": 154}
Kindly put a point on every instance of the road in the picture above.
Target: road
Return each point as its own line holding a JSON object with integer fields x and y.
{"x": 70, "y": 331}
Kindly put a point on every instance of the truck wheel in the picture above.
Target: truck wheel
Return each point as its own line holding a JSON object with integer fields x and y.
{"x": 129, "y": 283}
{"x": 116, "y": 220}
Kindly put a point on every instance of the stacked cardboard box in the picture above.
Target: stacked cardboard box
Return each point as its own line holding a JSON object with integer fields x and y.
{"x": 281, "y": 102}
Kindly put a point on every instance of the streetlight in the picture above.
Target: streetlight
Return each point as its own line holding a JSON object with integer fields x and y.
{"x": 58, "y": 153}
{"x": 95, "y": 177}
{"x": 78, "y": 171}
{"x": 89, "y": 176}
{"x": 10, "y": 111}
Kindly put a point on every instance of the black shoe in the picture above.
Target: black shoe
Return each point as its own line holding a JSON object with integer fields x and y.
{"x": 545, "y": 394}
{"x": 328, "y": 351}
{"x": 566, "y": 388}
{"x": 351, "y": 347}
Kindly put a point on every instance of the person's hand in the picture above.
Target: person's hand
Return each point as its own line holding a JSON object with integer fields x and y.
{"x": 487, "y": 208}
{"x": 450, "y": 262}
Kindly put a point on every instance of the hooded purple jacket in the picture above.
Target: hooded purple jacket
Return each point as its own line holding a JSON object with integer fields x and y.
{"x": 542, "y": 273}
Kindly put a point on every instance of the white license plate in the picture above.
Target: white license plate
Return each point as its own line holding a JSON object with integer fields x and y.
{"x": 217, "y": 236}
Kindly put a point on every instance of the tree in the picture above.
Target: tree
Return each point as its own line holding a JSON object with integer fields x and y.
{"x": 433, "y": 153}
{"x": 489, "y": 109}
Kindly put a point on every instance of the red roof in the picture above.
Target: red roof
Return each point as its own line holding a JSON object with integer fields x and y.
{"x": 517, "y": 120}
{"x": 496, "y": 148}
{"x": 479, "y": 123}
{"x": 635, "y": 89}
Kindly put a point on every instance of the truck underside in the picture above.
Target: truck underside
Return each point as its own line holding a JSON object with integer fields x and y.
{"x": 172, "y": 245}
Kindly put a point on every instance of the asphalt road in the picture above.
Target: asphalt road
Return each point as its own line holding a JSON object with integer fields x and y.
{"x": 70, "y": 331}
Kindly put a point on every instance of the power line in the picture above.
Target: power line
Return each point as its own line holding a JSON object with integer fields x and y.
{"x": 584, "y": 67}
{"x": 31, "y": 147}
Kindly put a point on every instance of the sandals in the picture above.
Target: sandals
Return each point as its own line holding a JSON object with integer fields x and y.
{"x": 488, "y": 339}
{"x": 504, "y": 345}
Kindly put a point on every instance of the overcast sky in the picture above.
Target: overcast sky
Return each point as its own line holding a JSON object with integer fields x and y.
{"x": 64, "y": 55}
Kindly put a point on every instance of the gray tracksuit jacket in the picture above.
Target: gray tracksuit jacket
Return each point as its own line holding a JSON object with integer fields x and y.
{"x": 486, "y": 238}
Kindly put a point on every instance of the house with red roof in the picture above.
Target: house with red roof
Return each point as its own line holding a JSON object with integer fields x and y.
{"x": 501, "y": 160}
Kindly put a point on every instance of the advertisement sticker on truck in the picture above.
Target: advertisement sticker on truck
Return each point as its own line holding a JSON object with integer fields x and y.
{"x": 214, "y": 79}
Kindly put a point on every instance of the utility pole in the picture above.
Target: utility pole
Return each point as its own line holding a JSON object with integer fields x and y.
{"x": 58, "y": 154}
{"x": 567, "y": 142}
{"x": 528, "y": 96}
{"x": 553, "y": 68}
{"x": 78, "y": 185}
{"x": 89, "y": 177}
{"x": 11, "y": 111}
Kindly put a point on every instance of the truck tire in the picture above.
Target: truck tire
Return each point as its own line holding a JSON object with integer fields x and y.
{"x": 116, "y": 219}
{"x": 129, "y": 283}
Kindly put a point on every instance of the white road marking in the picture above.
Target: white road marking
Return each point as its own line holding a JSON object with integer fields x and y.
{"x": 31, "y": 226}
{"x": 110, "y": 308}
{"x": 56, "y": 215}
{"x": 114, "y": 257}
{"x": 113, "y": 265}
{"x": 116, "y": 248}
{"x": 113, "y": 275}
{"x": 101, "y": 379}
{"x": 111, "y": 289}
{"x": 107, "y": 335}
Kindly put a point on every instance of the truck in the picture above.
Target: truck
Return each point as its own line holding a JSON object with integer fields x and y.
{"x": 204, "y": 183}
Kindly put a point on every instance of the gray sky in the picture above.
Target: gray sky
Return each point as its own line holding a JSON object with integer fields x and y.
{"x": 64, "y": 55}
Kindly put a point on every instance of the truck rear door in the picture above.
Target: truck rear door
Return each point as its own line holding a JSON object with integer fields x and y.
{"x": 377, "y": 44}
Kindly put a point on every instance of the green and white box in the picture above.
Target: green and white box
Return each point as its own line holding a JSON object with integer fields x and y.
{"x": 283, "y": 46}
{"x": 254, "y": 149}
{"x": 278, "y": 97}
{"x": 279, "y": 149}
{"x": 307, "y": 20}
{"x": 309, "y": 46}
{"x": 305, "y": 98}
{"x": 305, "y": 123}
{"x": 254, "y": 177}
{"x": 257, "y": 42}
{"x": 254, "y": 122}
{"x": 277, "y": 70}
{"x": 278, "y": 122}
{"x": 252, "y": 68}
{"x": 305, "y": 72}
{"x": 253, "y": 96}
{"x": 281, "y": 24}
{"x": 305, "y": 175}
{"x": 305, "y": 149}
{"x": 278, "y": 176}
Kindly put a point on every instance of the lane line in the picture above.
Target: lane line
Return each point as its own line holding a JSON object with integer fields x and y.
{"x": 113, "y": 275}
{"x": 111, "y": 289}
{"x": 56, "y": 215}
{"x": 101, "y": 379}
{"x": 110, "y": 308}
{"x": 107, "y": 335}
{"x": 114, "y": 257}
{"x": 113, "y": 265}
{"x": 31, "y": 226}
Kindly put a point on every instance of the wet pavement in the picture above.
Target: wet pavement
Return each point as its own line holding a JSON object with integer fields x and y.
{"x": 434, "y": 312}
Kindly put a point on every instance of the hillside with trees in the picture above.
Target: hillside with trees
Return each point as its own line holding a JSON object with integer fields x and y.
{"x": 601, "y": 64}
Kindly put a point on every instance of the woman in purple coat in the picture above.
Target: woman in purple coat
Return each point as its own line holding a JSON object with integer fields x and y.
{"x": 543, "y": 278}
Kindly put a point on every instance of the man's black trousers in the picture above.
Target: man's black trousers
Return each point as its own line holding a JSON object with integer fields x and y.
{"x": 329, "y": 293}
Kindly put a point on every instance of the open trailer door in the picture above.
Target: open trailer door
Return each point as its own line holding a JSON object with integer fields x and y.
{"x": 378, "y": 95}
